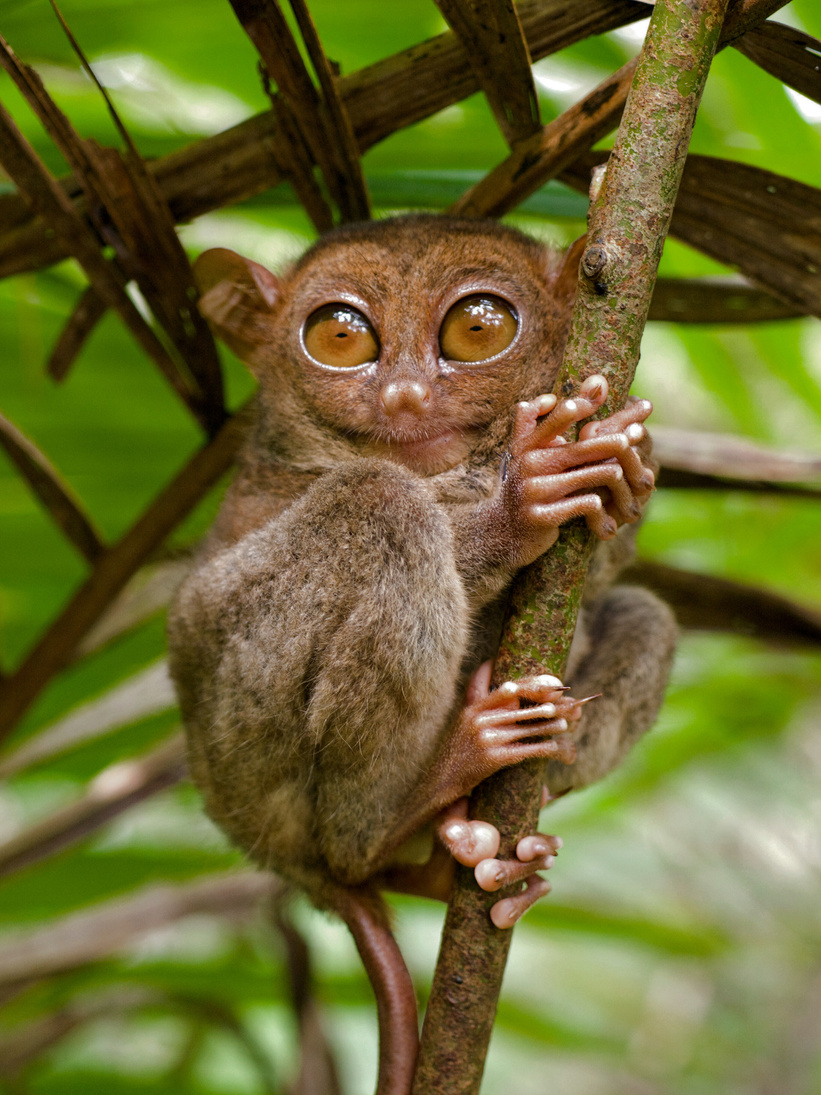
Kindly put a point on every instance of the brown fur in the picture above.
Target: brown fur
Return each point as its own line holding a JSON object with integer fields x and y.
{"x": 321, "y": 645}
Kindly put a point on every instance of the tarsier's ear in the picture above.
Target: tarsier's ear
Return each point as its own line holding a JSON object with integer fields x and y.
{"x": 236, "y": 295}
{"x": 566, "y": 275}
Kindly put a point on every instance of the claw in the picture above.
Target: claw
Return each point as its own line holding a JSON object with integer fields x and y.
{"x": 587, "y": 699}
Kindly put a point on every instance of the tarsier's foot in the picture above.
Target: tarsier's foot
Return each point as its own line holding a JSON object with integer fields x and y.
{"x": 475, "y": 843}
{"x": 521, "y": 720}
{"x": 605, "y": 476}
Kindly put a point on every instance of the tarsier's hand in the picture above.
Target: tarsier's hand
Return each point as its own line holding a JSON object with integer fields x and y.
{"x": 605, "y": 476}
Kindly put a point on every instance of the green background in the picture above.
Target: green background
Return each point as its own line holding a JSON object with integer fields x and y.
{"x": 680, "y": 951}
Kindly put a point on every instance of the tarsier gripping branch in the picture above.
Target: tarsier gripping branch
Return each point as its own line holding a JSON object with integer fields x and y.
{"x": 332, "y": 645}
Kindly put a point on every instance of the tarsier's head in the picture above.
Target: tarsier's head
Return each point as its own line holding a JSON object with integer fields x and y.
{"x": 403, "y": 338}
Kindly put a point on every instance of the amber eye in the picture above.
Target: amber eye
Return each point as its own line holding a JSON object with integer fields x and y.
{"x": 477, "y": 328}
{"x": 340, "y": 335}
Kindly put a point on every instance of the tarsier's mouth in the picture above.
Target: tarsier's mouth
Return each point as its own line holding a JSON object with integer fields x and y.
{"x": 427, "y": 455}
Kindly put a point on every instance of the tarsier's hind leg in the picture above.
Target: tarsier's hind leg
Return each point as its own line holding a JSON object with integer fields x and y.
{"x": 632, "y": 639}
{"x": 384, "y": 687}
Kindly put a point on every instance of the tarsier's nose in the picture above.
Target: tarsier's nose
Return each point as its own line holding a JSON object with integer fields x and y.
{"x": 410, "y": 396}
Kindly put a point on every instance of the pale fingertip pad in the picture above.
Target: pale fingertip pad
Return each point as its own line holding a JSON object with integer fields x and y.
{"x": 635, "y": 431}
{"x": 509, "y": 688}
{"x": 489, "y": 876}
{"x": 454, "y": 832}
{"x": 546, "y": 680}
{"x": 506, "y": 912}
{"x": 484, "y": 840}
{"x": 571, "y": 405}
{"x": 560, "y": 724}
{"x": 595, "y": 387}
{"x": 545, "y": 403}
{"x": 532, "y": 847}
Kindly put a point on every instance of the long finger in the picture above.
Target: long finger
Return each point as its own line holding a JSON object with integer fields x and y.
{"x": 633, "y": 412}
{"x": 554, "y": 458}
{"x": 506, "y": 912}
{"x": 551, "y": 488}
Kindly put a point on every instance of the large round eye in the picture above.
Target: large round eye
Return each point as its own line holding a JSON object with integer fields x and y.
{"x": 340, "y": 335}
{"x": 477, "y": 328}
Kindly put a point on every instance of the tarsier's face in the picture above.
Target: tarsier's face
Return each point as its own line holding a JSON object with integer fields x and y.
{"x": 409, "y": 336}
{"x": 408, "y": 403}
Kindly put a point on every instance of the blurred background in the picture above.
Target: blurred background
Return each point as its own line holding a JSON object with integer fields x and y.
{"x": 680, "y": 950}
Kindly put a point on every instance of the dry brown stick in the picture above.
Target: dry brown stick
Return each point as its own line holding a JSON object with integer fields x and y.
{"x": 149, "y": 250}
{"x": 675, "y": 479}
{"x": 717, "y": 300}
{"x": 544, "y": 155}
{"x": 87, "y": 313}
{"x": 56, "y": 647}
{"x": 313, "y": 121}
{"x": 112, "y": 791}
{"x": 108, "y": 928}
{"x": 709, "y": 603}
{"x": 729, "y": 458}
{"x": 628, "y": 222}
{"x": 790, "y": 55}
{"x": 23, "y": 1044}
{"x": 318, "y": 1072}
{"x": 380, "y": 99}
{"x": 49, "y": 200}
{"x": 297, "y": 145}
{"x": 295, "y": 163}
{"x": 52, "y": 492}
{"x": 129, "y": 212}
{"x": 348, "y": 184}
{"x": 147, "y": 593}
{"x": 147, "y": 692}
{"x": 497, "y": 51}
{"x": 767, "y": 225}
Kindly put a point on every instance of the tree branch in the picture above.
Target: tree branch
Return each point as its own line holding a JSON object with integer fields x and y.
{"x": 108, "y": 928}
{"x": 58, "y": 644}
{"x": 628, "y": 223}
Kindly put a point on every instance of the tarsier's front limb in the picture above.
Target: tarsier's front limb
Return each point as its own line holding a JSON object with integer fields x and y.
{"x": 548, "y": 481}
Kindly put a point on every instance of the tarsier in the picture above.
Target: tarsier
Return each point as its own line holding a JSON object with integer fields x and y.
{"x": 332, "y": 646}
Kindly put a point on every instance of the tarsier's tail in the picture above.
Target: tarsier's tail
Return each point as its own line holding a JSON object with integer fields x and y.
{"x": 365, "y": 916}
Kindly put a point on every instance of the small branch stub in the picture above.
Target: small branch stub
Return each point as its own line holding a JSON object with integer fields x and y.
{"x": 593, "y": 266}
{"x": 594, "y": 261}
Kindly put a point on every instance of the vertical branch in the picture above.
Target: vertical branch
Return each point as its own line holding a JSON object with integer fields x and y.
{"x": 628, "y": 222}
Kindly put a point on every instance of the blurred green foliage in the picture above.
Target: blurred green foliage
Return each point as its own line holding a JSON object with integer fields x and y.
{"x": 681, "y": 952}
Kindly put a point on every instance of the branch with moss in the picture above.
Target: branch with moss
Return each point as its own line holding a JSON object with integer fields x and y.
{"x": 628, "y": 223}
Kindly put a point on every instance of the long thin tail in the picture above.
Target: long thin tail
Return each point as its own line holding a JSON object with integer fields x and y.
{"x": 392, "y": 986}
